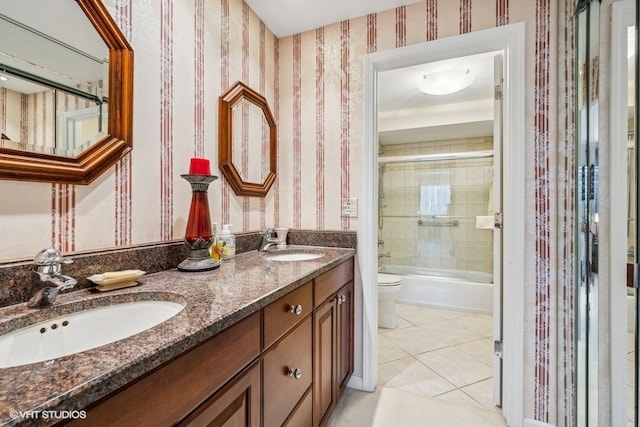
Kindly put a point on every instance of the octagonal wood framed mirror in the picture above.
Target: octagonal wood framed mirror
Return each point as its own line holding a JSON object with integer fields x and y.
{"x": 247, "y": 146}
{"x": 25, "y": 162}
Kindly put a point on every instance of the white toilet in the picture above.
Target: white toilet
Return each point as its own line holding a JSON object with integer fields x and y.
{"x": 389, "y": 286}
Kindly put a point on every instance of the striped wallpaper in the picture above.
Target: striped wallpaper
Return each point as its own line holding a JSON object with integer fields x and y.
{"x": 187, "y": 52}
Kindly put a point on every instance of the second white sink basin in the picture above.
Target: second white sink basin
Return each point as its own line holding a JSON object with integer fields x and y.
{"x": 81, "y": 331}
{"x": 294, "y": 256}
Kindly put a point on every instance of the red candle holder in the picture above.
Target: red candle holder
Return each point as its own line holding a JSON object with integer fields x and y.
{"x": 198, "y": 235}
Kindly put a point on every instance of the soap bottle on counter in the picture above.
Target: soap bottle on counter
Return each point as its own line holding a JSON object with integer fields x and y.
{"x": 216, "y": 247}
{"x": 228, "y": 242}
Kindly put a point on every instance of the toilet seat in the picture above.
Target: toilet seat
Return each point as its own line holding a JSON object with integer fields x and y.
{"x": 389, "y": 280}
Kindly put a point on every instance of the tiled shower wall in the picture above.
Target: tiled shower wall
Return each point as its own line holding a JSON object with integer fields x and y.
{"x": 410, "y": 235}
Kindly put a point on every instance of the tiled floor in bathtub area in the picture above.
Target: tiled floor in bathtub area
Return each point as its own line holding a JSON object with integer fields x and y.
{"x": 434, "y": 370}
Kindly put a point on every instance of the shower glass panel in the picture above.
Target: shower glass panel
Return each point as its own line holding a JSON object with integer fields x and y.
{"x": 587, "y": 211}
{"x": 435, "y": 206}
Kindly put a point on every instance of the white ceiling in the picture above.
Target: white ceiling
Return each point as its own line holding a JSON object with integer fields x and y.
{"x": 287, "y": 17}
{"x": 406, "y": 115}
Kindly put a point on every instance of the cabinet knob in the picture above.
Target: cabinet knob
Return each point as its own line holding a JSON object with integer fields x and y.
{"x": 295, "y": 309}
{"x": 295, "y": 373}
{"x": 341, "y": 299}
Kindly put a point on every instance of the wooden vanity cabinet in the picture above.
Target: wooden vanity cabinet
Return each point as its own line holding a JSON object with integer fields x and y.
{"x": 284, "y": 365}
{"x": 171, "y": 392}
{"x": 333, "y": 339}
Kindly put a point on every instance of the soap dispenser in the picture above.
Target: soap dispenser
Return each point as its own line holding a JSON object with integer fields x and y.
{"x": 228, "y": 241}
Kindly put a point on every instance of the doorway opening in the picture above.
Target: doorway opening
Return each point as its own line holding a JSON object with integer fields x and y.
{"x": 510, "y": 40}
{"x": 436, "y": 251}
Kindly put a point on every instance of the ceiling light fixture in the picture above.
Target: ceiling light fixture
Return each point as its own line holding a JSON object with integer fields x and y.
{"x": 445, "y": 82}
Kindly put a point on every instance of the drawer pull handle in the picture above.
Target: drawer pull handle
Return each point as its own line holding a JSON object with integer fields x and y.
{"x": 295, "y": 373}
{"x": 295, "y": 309}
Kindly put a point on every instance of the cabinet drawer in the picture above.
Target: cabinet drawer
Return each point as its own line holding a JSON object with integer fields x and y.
{"x": 328, "y": 283}
{"x": 282, "y": 390}
{"x": 182, "y": 384}
{"x": 283, "y": 314}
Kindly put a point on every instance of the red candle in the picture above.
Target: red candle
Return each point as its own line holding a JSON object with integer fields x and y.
{"x": 199, "y": 166}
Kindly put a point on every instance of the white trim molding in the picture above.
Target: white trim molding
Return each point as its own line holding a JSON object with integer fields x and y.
{"x": 623, "y": 14}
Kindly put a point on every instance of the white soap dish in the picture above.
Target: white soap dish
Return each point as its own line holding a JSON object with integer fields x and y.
{"x": 113, "y": 278}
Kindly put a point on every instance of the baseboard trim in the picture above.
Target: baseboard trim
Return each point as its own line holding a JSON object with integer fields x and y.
{"x": 356, "y": 383}
{"x": 533, "y": 423}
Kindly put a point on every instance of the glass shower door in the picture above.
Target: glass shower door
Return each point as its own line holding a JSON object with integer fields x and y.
{"x": 587, "y": 211}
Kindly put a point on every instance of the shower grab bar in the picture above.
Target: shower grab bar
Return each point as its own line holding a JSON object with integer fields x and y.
{"x": 453, "y": 223}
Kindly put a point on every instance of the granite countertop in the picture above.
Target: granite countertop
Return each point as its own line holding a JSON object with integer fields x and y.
{"x": 213, "y": 301}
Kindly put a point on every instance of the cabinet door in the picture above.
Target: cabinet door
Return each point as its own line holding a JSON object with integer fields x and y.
{"x": 236, "y": 405}
{"x": 324, "y": 362}
{"x": 302, "y": 416}
{"x": 344, "y": 337}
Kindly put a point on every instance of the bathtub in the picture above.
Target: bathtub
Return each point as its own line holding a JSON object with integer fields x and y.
{"x": 451, "y": 289}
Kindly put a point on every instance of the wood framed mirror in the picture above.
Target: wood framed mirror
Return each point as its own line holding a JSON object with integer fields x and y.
{"x": 18, "y": 161}
{"x": 247, "y": 146}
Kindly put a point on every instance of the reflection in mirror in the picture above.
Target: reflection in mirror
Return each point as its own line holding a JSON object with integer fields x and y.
{"x": 247, "y": 141}
{"x": 52, "y": 74}
{"x": 41, "y": 119}
{"x": 74, "y": 119}
{"x": 250, "y": 131}
{"x": 587, "y": 210}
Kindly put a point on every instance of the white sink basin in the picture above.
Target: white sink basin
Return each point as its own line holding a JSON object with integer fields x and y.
{"x": 82, "y": 331}
{"x": 294, "y": 256}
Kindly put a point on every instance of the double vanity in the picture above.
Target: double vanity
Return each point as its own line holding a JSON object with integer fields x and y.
{"x": 266, "y": 339}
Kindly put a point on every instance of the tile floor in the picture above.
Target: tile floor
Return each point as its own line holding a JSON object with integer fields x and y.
{"x": 434, "y": 370}
{"x": 630, "y": 379}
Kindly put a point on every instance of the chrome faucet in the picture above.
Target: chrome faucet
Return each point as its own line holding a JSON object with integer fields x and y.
{"x": 267, "y": 239}
{"x": 48, "y": 279}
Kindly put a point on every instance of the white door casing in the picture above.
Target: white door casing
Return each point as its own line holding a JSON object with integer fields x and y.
{"x": 498, "y": 81}
{"x": 623, "y": 16}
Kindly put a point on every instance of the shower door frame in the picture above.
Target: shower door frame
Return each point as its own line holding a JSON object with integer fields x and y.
{"x": 623, "y": 15}
{"x": 511, "y": 40}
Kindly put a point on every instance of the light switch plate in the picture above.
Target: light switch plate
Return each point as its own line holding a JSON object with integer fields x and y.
{"x": 350, "y": 207}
